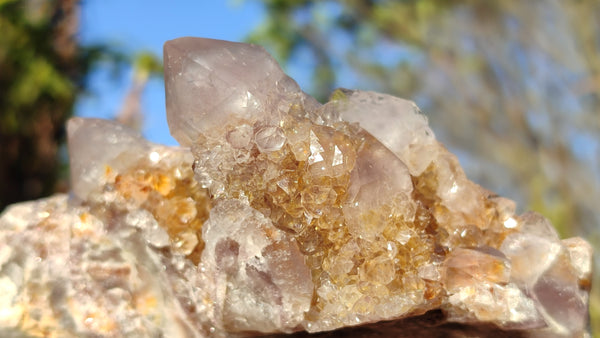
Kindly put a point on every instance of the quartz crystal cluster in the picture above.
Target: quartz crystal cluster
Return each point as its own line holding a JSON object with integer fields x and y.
{"x": 280, "y": 215}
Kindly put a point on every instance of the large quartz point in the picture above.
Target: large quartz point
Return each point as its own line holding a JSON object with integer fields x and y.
{"x": 280, "y": 216}
{"x": 213, "y": 82}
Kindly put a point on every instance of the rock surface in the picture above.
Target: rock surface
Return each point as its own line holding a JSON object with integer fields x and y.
{"x": 282, "y": 215}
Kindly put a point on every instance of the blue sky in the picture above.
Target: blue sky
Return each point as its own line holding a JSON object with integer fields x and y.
{"x": 136, "y": 25}
{"x": 144, "y": 25}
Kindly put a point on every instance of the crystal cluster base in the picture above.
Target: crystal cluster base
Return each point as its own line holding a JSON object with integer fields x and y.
{"x": 281, "y": 215}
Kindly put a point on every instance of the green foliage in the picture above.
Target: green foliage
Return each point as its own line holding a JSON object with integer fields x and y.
{"x": 42, "y": 70}
{"x": 28, "y": 74}
{"x": 147, "y": 63}
{"x": 283, "y": 36}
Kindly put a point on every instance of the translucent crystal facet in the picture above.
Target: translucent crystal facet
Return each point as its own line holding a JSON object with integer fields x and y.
{"x": 263, "y": 282}
{"x": 210, "y": 83}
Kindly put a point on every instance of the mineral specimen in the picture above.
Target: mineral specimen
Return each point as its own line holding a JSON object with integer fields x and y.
{"x": 281, "y": 215}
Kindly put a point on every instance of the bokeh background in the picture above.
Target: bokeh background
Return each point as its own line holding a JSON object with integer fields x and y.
{"x": 511, "y": 87}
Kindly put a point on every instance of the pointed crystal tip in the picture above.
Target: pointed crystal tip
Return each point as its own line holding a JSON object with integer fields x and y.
{"x": 210, "y": 82}
{"x": 96, "y": 143}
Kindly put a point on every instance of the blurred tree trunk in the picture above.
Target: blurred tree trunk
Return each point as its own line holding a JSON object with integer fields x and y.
{"x": 42, "y": 68}
{"x": 145, "y": 65}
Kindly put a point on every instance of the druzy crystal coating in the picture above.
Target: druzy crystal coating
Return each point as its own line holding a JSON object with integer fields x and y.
{"x": 280, "y": 215}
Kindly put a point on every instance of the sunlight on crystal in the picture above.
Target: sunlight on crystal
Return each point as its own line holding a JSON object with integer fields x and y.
{"x": 269, "y": 139}
{"x": 43, "y": 214}
{"x": 154, "y": 156}
{"x": 510, "y": 223}
{"x": 454, "y": 188}
{"x": 315, "y": 149}
{"x": 177, "y": 173}
{"x": 247, "y": 101}
{"x": 338, "y": 157}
